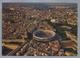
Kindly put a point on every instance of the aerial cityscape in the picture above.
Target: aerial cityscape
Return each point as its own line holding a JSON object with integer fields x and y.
{"x": 39, "y": 29}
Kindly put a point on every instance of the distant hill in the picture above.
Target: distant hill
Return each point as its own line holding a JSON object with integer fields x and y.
{"x": 41, "y": 5}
